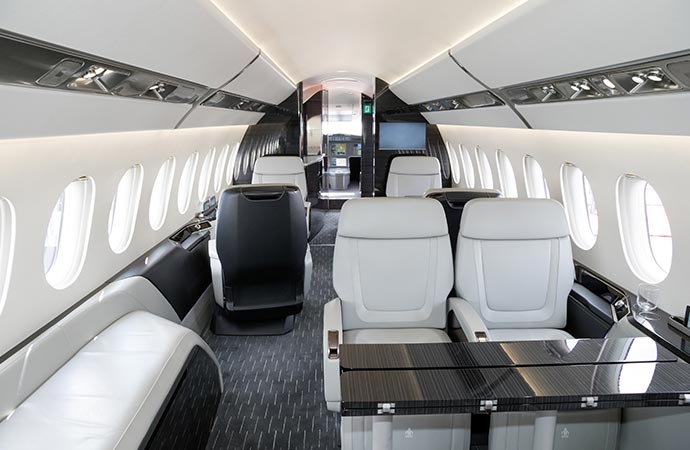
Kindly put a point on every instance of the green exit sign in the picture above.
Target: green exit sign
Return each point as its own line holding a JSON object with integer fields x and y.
{"x": 367, "y": 108}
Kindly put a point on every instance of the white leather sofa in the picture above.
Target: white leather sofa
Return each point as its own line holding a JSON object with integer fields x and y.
{"x": 412, "y": 176}
{"x": 101, "y": 376}
{"x": 513, "y": 273}
{"x": 392, "y": 271}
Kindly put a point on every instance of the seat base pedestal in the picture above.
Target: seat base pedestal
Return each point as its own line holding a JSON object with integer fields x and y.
{"x": 224, "y": 326}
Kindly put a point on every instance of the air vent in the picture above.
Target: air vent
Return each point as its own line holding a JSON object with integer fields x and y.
{"x": 226, "y": 100}
{"x": 27, "y": 63}
{"x": 97, "y": 79}
{"x": 645, "y": 81}
{"x": 660, "y": 76}
{"x": 60, "y": 73}
{"x": 482, "y": 99}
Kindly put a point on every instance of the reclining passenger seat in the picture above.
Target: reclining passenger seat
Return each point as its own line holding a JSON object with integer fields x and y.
{"x": 260, "y": 261}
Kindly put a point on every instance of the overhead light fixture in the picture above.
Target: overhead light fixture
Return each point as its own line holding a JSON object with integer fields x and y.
{"x": 608, "y": 83}
{"x": 655, "y": 75}
{"x": 639, "y": 79}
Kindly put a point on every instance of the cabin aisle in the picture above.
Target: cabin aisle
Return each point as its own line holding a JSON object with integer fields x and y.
{"x": 273, "y": 395}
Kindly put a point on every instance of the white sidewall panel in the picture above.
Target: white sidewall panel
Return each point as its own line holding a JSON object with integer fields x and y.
{"x": 37, "y": 112}
{"x": 651, "y": 114}
{"x": 603, "y": 157}
{"x": 207, "y": 116}
{"x": 34, "y": 172}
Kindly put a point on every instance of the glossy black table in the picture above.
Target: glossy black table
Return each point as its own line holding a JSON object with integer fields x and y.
{"x": 478, "y": 378}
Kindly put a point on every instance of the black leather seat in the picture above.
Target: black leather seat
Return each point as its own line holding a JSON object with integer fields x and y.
{"x": 453, "y": 201}
{"x": 261, "y": 244}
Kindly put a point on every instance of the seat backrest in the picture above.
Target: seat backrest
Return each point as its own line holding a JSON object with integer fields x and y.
{"x": 261, "y": 241}
{"x": 281, "y": 170}
{"x": 453, "y": 201}
{"x": 412, "y": 176}
{"x": 392, "y": 266}
{"x": 514, "y": 262}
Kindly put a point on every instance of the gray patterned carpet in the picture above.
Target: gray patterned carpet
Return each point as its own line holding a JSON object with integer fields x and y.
{"x": 273, "y": 395}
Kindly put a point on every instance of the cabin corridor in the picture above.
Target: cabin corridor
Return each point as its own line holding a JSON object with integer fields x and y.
{"x": 273, "y": 396}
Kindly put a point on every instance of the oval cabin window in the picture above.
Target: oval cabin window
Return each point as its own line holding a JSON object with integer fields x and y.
{"x": 467, "y": 167}
{"x": 231, "y": 172}
{"x": 124, "y": 209}
{"x": 205, "y": 174}
{"x": 506, "y": 175}
{"x": 580, "y": 207}
{"x": 8, "y": 229}
{"x": 68, "y": 233}
{"x": 645, "y": 229}
{"x": 184, "y": 192}
{"x": 535, "y": 182}
{"x": 160, "y": 195}
{"x": 486, "y": 178}
{"x": 454, "y": 164}
{"x": 220, "y": 167}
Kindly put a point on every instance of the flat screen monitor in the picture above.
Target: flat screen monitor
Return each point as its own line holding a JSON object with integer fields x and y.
{"x": 402, "y": 136}
{"x": 340, "y": 162}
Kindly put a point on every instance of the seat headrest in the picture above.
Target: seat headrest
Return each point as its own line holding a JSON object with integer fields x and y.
{"x": 392, "y": 218}
{"x": 279, "y": 165}
{"x": 259, "y": 191}
{"x": 513, "y": 219}
{"x": 415, "y": 165}
{"x": 462, "y": 193}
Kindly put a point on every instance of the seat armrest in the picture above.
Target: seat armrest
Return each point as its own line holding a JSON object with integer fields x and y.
{"x": 308, "y": 269}
{"x": 307, "y": 212}
{"x": 216, "y": 272}
{"x": 471, "y": 324}
{"x": 332, "y": 337}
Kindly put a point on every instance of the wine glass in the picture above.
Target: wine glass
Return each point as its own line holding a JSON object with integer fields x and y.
{"x": 647, "y": 300}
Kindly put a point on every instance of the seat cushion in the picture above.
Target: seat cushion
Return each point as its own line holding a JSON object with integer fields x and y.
{"x": 527, "y": 334}
{"x": 395, "y": 336}
{"x": 107, "y": 395}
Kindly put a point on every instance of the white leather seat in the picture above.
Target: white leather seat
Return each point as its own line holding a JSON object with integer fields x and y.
{"x": 412, "y": 176}
{"x": 98, "y": 379}
{"x": 514, "y": 271}
{"x": 392, "y": 271}
{"x": 514, "y": 266}
{"x": 281, "y": 170}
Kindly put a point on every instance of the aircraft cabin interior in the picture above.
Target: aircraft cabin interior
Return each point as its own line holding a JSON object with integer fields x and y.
{"x": 362, "y": 225}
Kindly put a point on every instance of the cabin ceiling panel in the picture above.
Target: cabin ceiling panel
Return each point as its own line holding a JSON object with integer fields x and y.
{"x": 650, "y": 114}
{"x": 262, "y": 81}
{"x": 35, "y": 112}
{"x": 498, "y": 116}
{"x": 384, "y": 38}
{"x": 548, "y": 38}
{"x": 206, "y": 116}
{"x": 189, "y": 39}
{"x": 441, "y": 78}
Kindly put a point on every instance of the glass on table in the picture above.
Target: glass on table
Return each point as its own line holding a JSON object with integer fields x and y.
{"x": 648, "y": 296}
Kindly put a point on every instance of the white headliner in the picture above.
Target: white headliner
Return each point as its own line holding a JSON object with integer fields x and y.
{"x": 384, "y": 38}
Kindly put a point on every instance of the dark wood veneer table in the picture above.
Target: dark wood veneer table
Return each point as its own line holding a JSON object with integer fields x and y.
{"x": 382, "y": 380}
